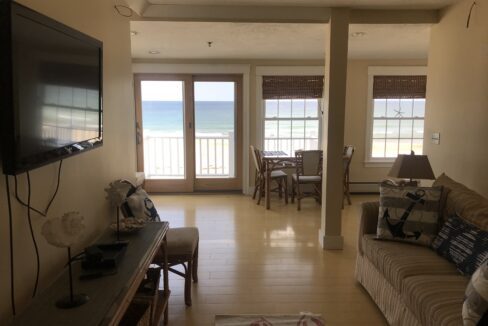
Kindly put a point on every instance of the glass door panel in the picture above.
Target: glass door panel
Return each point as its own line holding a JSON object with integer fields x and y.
{"x": 164, "y": 136}
{"x": 218, "y": 144}
{"x": 215, "y": 129}
{"x": 163, "y": 129}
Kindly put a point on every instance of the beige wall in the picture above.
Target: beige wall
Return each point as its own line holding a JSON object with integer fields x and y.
{"x": 356, "y": 115}
{"x": 85, "y": 176}
{"x": 457, "y": 96}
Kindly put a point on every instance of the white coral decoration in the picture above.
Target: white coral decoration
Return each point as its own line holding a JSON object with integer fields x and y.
{"x": 117, "y": 192}
{"x": 64, "y": 231}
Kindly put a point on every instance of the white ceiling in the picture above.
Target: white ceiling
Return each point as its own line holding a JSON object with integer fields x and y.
{"x": 397, "y": 4}
{"x": 188, "y": 40}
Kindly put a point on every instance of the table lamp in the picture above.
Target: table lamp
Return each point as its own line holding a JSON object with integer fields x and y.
{"x": 412, "y": 167}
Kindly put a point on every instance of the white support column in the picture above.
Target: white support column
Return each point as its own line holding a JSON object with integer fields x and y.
{"x": 330, "y": 235}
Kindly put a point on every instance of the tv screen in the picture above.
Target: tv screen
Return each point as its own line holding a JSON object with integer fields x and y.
{"x": 54, "y": 101}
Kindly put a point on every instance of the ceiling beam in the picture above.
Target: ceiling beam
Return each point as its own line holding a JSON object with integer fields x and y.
{"x": 394, "y": 16}
{"x": 258, "y": 14}
{"x": 277, "y": 14}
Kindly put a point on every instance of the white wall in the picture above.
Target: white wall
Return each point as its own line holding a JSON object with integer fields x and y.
{"x": 85, "y": 176}
{"x": 457, "y": 95}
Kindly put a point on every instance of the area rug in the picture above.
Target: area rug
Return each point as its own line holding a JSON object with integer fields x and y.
{"x": 304, "y": 319}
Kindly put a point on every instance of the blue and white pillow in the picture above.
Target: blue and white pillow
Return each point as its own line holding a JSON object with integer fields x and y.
{"x": 409, "y": 214}
{"x": 475, "y": 306}
{"x": 462, "y": 244}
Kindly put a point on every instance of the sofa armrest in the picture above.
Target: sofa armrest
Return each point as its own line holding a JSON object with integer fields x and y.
{"x": 368, "y": 222}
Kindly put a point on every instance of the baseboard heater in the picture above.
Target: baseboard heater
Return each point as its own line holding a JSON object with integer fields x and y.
{"x": 364, "y": 187}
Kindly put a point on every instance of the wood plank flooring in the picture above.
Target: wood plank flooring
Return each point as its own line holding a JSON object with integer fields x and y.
{"x": 254, "y": 261}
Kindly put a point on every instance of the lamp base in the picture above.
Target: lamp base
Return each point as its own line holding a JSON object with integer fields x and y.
{"x": 67, "y": 303}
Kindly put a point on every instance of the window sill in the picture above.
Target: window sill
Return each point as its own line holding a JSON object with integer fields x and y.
{"x": 373, "y": 164}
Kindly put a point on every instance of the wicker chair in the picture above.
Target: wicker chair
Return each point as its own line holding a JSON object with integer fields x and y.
{"x": 347, "y": 157}
{"x": 308, "y": 172}
{"x": 280, "y": 177}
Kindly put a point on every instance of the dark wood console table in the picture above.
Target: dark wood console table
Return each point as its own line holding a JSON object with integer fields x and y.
{"x": 110, "y": 295}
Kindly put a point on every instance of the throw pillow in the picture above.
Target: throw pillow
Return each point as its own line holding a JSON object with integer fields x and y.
{"x": 409, "y": 214}
{"x": 462, "y": 243}
{"x": 475, "y": 306}
{"x": 139, "y": 205}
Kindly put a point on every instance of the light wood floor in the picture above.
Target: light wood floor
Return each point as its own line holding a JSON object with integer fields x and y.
{"x": 254, "y": 261}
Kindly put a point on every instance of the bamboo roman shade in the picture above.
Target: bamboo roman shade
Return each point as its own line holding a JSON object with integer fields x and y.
{"x": 292, "y": 87}
{"x": 399, "y": 87}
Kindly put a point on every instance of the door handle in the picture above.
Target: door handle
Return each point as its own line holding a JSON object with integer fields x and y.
{"x": 138, "y": 134}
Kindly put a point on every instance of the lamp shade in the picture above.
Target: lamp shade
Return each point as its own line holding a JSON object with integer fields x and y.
{"x": 412, "y": 167}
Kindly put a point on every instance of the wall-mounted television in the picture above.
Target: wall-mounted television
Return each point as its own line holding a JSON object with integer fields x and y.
{"x": 50, "y": 89}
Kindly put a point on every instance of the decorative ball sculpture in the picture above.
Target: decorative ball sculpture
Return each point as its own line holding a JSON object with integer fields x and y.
{"x": 117, "y": 192}
{"x": 64, "y": 232}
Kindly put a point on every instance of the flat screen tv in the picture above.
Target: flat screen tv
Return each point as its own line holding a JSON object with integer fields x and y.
{"x": 50, "y": 89}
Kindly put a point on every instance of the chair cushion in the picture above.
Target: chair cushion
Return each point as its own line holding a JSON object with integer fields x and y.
{"x": 182, "y": 241}
{"x": 308, "y": 178}
{"x": 435, "y": 299}
{"x": 278, "y": 174}
{"x": 397, "y": 261}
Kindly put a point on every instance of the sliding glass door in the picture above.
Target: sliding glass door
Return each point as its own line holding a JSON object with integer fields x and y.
{"x": 189, "y": 132}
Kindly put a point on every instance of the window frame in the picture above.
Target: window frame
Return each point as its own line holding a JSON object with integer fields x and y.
{"x": 291, "y": 118}
{"x": 369, "y": 161}
{"x": 260, "y": 102}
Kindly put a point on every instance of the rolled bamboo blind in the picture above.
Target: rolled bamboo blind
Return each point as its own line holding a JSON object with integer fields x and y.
{"x": 292, "y": 87}
{"x": 399, "y": 87}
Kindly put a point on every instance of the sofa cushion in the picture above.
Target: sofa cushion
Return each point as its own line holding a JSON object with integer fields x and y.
{"x": 462, "y": 243}
{"x": 435, "y": 299}
{"x": 464, "y": 202}
{"x": 409, "y": 214}
{"x": 397, "y": 261}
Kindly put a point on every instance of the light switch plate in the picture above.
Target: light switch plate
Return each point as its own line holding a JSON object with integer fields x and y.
{"x": 436, "y": 138}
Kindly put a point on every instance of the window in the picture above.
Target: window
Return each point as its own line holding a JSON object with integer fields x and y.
{"x": 291, "y": 124}
{"x": 291, "y": 112}
{"x": 396, "y": 116}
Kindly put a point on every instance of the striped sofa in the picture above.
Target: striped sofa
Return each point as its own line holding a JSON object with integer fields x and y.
{"x": 411, "y": 284}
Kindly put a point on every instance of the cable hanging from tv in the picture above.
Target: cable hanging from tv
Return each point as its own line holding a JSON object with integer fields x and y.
{"x": 46, "y": 210}
{"x": 11, "y": 242}
{"x": 470, "y": 12}
{"x": 124, "y": 11}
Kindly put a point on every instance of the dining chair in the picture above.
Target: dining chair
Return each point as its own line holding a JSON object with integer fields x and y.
{"x": 182, "y": 250}
{"x": 347, "y": 158}
{"x": 278, "y": 176}
{"x": 308, "y": 172}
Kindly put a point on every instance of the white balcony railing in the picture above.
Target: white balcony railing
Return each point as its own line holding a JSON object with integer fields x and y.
{"x": 164, "y": 156}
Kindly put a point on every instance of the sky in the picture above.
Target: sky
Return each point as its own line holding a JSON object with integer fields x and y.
{"x": 173, "y": 91}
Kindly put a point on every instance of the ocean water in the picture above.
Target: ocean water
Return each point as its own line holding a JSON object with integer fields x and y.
{"x": 167, "y": 117}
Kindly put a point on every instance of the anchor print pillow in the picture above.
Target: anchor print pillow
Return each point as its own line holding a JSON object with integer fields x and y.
{"x": 409, "y": 214}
